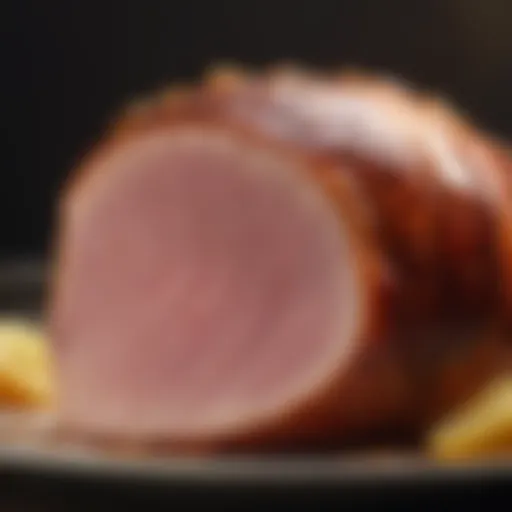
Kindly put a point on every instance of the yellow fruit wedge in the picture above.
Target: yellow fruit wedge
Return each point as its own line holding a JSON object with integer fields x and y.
{"x": 481, "y": 428}
{"x": 25, "y": 365}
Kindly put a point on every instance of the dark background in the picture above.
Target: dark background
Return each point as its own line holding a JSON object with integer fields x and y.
{"x": 68, "y": 65}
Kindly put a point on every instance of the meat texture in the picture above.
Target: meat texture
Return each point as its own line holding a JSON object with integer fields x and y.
{"x": 280, "y": 259}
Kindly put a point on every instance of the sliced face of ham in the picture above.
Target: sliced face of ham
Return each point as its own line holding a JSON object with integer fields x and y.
{"x": 205, "y": 288}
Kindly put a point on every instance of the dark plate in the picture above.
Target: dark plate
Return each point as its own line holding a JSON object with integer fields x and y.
{"x": 37, "y": 474}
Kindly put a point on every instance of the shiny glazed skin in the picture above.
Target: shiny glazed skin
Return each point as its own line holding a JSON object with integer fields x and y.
{"x": 431, "y": 226}
{"x": 435, "y": 210}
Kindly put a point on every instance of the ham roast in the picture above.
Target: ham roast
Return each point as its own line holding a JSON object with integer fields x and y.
{"x": 279, "y": 259}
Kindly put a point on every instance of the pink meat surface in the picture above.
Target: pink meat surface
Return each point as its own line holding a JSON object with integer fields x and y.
{"x": 205, "y": 287}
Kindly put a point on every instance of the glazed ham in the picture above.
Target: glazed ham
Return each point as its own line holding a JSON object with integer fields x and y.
{"x": 277, "y": 259}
